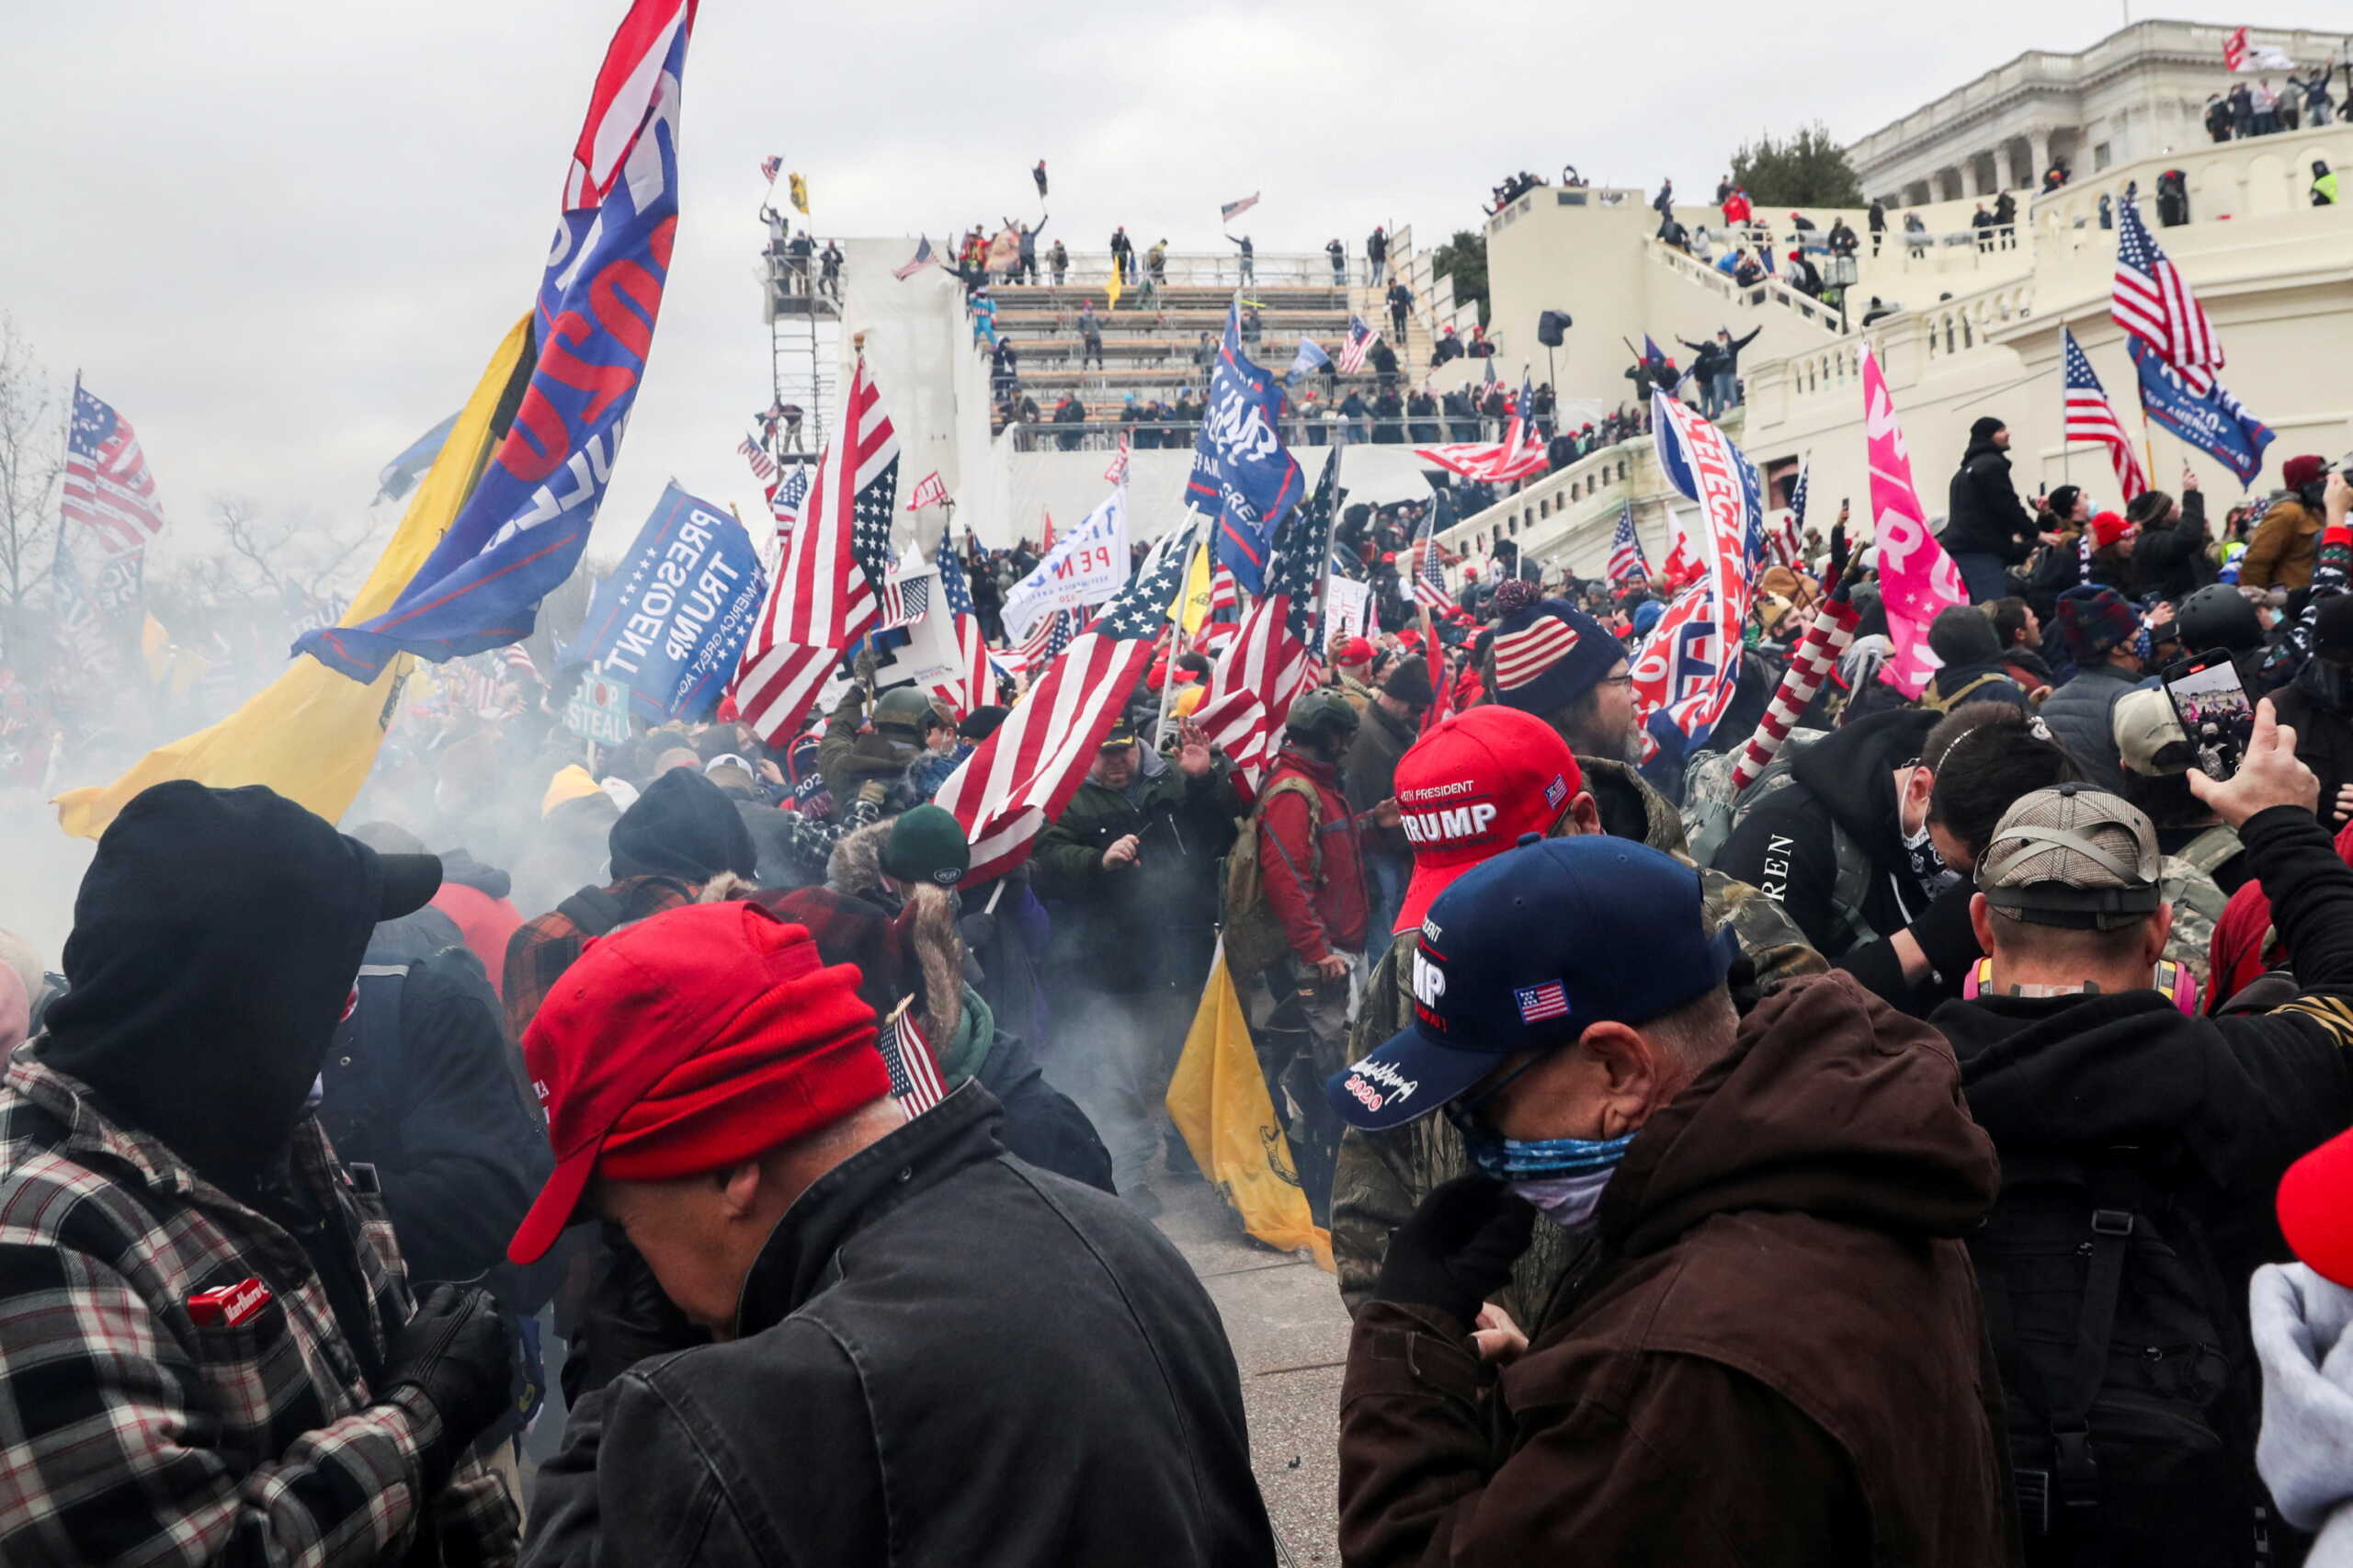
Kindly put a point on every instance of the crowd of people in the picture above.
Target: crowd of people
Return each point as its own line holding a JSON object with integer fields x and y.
{"x": 2259, "y": 108}
{"x": 1865, "y": 1161}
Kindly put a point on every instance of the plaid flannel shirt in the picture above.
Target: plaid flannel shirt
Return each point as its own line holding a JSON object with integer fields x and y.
{"x": 130, "y": 1434}
{"x": 542, "y": 949}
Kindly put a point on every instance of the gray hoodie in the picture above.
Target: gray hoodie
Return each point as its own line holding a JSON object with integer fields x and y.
{"x": 2305, "y": 1451}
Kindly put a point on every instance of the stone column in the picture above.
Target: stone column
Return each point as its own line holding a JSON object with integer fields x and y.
{"x": 2038, "y": 141}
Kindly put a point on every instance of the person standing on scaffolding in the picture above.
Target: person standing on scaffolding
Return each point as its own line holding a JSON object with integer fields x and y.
{"x": 829, "y": 270}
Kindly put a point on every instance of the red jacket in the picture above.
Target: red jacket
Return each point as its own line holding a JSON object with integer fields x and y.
{"x": 1329, "y": 917}
{"x": 485, "y": 923}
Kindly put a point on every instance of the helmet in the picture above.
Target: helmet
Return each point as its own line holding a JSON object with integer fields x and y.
{"x": 1320, "y": 715}
{"x": 904, "y": 707}
{"x": 2218, "y": 617}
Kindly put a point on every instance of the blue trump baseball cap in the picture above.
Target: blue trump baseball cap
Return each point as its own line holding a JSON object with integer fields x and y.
{"x": 1528, "y": 951}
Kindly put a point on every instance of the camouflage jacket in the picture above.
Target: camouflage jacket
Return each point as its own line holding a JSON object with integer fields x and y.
{"x": 1381, "y": 1177}
{"x": 2197, "y": 899}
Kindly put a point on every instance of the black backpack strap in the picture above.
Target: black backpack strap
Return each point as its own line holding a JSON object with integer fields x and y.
{"x": 593, "y": 910}
{"x": 2116, "y": 1191}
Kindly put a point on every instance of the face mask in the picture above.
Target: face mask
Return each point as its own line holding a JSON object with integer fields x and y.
{"x": 1928, "y": 868}
{"x": 1562, "y": 1176}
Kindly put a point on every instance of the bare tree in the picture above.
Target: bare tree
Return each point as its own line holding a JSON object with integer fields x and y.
{"x": 293, "y": 553}
{"x": 32, "y": 457}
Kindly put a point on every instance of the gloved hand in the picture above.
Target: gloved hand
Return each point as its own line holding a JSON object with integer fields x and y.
{"x": 1944, "y": 935}
{"x": 457, "y": 1352}
{"x": 624, "y": 1319}
{"x": 1836, "y": 567}
{"x": 1456, "y": 1247}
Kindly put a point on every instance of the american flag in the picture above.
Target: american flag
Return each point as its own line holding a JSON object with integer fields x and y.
{"x": 1223, "y": 617}
{"x": 784, "y": 503}
{"x": 1356, "y": 345}
{"x": 921, "y": 259}
{"x": 1267, "y": 664}
{"x": 1787, "y": 543}
{"x": 1430, "y": 572}
{"x": 1042, "y": 645}
{"x": 763, "y": 465}
{"x": 1549, "y": 1000}
{"x": 770, "y": 168}
{"x": 929, "y": 492}
{"x": 1117, "y": 473}
{"x": 2153, "y": 302}
{"x": 971, "y": 686}
{"x": 1627, "y": 562}
{"x": 1027, "y": 770}
{"x": 108, "y": 491}
{"x": 2091, "y": 417}
{"x": 834, "y": 564}
{"x": 1228, "y": 211}
{"x": 903, "y": 602}
{"x": 916, "y": 1082}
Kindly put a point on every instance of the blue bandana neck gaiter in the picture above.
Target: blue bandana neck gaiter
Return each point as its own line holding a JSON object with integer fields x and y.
{"x": 1563, "y": 1178}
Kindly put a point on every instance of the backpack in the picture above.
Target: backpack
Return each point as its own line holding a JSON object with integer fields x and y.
{"x": 1934, "y": 703}
{"x": 1711, "y": 810}
{"x": 2129, "y": 1433}
{"x": 1255, "y": 939}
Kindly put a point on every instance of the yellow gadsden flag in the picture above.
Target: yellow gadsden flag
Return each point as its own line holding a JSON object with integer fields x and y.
{"x": 1218, "y": 1100}
{"x": 312, "y": 733}
{"x": 1195, "y": 605}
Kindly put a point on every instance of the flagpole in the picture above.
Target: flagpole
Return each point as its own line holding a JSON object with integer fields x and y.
{"x": 1176, "y": 624}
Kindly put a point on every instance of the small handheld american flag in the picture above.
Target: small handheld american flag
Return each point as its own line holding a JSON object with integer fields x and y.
{"x": 1356, "y": 345}
{"x": 916, "y": 1082}
{"x": 1430, "y": 572}
{"x": 763, "y": 465}
{"x": 903, "y": 602}
{"x": 770, "y": 168}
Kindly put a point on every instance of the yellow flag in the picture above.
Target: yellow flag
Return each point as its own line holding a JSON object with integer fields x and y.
{"x": 1196, "y": 602}
{"x": 312, "y": 733}
{"x": 1111, "y": 287}
{"x": 1218, "y": 1100}
{"x": 800, "y": 189}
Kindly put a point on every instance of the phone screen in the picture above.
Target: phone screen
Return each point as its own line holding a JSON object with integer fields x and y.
{"x": 2215, "y": 713}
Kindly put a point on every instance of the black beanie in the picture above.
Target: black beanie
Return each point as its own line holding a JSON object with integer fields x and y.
{"x": 683, "y": 826}
{"x": 1410, "y": 683}
{"x": 1981, "y": 431}
{"x": 1962, "y": 636}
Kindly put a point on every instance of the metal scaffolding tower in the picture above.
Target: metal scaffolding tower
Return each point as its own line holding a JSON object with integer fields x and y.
{"x": 804, "y": 342}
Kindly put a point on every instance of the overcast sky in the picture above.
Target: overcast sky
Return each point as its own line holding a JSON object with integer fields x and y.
{"x": 282, "y": 239}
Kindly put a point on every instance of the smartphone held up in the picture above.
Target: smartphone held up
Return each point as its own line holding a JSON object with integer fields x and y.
{"x": 2214, "y": 710}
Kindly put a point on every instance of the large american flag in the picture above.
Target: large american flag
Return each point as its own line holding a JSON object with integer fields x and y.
{"x": 2091, "y": 417}
{"x": 2152, "y": 300}
{"x": 921, "y": 259}
{"x": 1356, "y": 345}
{"x": 1430, "y": 572}
{"x": 825, "y": 595}
{"x": 1268, "y": 663}
{"x": 1027, "y": 770}
{"x": 770, "y": 168}
{"x": 971, "y": 686}
{"x": 1627, "y": 562}
{"x": 108, "y": 492}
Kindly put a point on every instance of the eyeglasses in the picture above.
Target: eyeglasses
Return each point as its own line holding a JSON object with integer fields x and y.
{"x": 1627, "y": 679}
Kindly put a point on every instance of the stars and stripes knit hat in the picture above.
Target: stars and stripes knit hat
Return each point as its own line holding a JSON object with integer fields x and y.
{"x": 1548, "y": 655}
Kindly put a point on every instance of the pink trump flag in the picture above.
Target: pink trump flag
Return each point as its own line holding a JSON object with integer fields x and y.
{"x": 1916, "y": 578}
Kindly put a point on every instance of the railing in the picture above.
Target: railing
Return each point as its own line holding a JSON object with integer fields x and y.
{"x": 1765, "y": 291}
{"x": 1091, "y": 269}
{"x": 1551, "y": 499}
{"x": 1298, "y": 430}
{"x": 2263, "y": 176}
{"x": 1955, "y": 326}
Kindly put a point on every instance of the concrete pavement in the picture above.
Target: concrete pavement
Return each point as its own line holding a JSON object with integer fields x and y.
{"x": 1290, "y": 1337}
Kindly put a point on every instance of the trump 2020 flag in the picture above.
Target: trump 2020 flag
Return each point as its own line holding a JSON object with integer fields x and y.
{"x": 2213, "y": 421}
{"x": 1686, "y": 671}
{"x": 1242, "y": 475}
{"x": 671, "y": 622}
{"x": 1917, "y": 580}
{"x": 523, "y": 528}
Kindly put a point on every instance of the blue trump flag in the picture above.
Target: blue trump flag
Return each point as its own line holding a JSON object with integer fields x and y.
{"x": 1241, "y": 474}
{"x": 2213, "y": 421}
{"x": 672, "y": 621}
{"x": 521, "y": 531}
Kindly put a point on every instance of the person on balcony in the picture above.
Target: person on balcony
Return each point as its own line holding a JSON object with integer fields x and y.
{"x": 2006, "y": 219}
{"x": 1877, "y": 222}
{"x": 1842, "y": 240}
{"x": 1982, "y": 221}
{"x": 1339, "y": 254}
{"x": 2324, "y": 184}
{"x": 1804, "y": 277}
{"x": 1988, "y": 529}
{"x": 1916, "y": 235}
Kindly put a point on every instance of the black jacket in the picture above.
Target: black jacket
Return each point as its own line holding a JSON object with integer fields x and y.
{"x": 943, "y": 1355}
{"x": 2170, "y": 559}
{"x": 1787, "y": 845}
{"x": 2323, "y": 740}
{"x": 2226, "y": 1103}
{"x": 1146, "y": 926}
{"x": 417, "y": 1084}
{"x": 1984, "y": 516}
